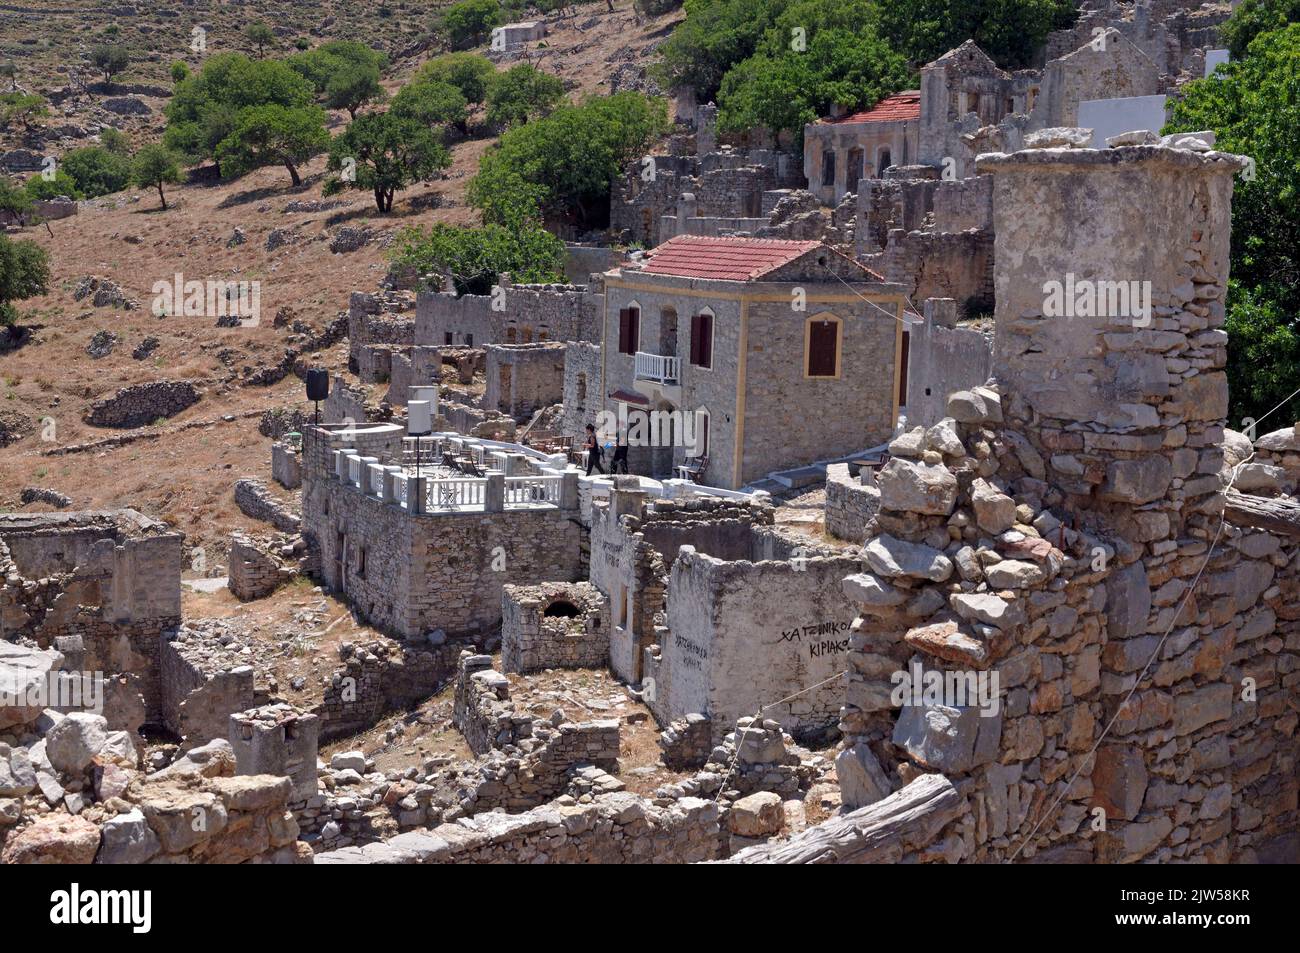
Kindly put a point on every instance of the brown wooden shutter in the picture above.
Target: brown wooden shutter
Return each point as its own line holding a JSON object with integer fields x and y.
{"x": 633, "y": 329}
{"x": 623, "y": 321}
{"x": 706, "y": 340}
{"x": 695, "y": 339}
{"x": 821, "y": 349}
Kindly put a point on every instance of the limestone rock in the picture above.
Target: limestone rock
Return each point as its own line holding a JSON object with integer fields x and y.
{"x": 1014, "y": 574}
{"x": 1068, "y": 137}
{"x": 995, "y": 512}
{"x": 979, "y": 405}
{"x": 1137, "y": 481}
{"x": 894, "y": 558}
{"x": 1135, "y": 137}
{"x": 987, "y": 608}
{"x": 17, "y": 776}
{"x": 128, "y": 839}
{"x": 22, "y": 672}
{"x": 914, "y": 487}
{"x": 867, "y": 589}
{"x": 946, "y": 641}
{"x": 53, "y": 839}
{"x": 862, "y": 780}
{"x": 757, "y": 815}
{"x": 74, "y": 741}
{"x": 947, "y": 739}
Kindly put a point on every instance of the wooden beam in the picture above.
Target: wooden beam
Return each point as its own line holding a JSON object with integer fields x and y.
{"x": 1275, "y": 514}
{"x": 880, "y": 833}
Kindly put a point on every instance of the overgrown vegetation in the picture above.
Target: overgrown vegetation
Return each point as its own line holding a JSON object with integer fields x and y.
{"x": 1253, "y": 105}
{"x": 384, "y": 152}
{"x": 24, "y": 273}
{"x": 782, "y": 63}
{"x": 563, "y": 164}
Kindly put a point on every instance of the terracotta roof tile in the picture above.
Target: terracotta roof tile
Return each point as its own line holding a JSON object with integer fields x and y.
{"x": 727, "y": 258}
{"x": 890, "y": 109}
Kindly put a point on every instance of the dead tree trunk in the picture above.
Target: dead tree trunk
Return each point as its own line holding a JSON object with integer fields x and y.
{"x": 879, "y": 833}
{"x": 1261, "y": 512}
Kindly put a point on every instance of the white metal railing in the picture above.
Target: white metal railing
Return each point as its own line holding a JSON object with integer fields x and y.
{"x": 533, "y": 489}
{"x": 656, "y": 367}
{"x": 448, "y": 493}
{"x": 376, "y": 480}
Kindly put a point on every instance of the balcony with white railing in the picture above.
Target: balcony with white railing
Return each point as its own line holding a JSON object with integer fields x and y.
{"x": 659, "y": 368}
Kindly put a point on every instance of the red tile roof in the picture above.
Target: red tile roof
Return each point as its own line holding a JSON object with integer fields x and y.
{"x": 727, "y": 258}
{"x": 892, "y": 108}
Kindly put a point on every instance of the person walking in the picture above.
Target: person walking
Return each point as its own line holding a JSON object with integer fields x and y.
{"x": 620, "y": 454}
{"x": 593, "y": 451}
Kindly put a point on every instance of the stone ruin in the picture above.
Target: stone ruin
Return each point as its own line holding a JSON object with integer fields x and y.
{"x": 554, "y": 625}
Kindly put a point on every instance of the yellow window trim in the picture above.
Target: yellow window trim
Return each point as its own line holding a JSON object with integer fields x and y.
{"x": 807, "y": 345}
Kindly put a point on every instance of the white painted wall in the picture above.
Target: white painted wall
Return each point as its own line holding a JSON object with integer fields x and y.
{"x": 1110, "y": 117}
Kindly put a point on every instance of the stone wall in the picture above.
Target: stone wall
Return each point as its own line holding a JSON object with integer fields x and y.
{"x": 377, "y": 319}
{"x": 554, "y": 625}
{"x": 523, "y": 378}
{"x": 141, "y": 404}
{"x": 517, "y": 314}
{"x": 110, "y": 578}
{"x": 850, "y": 502}
{"x": 619, "y": 828}
{"x": 942, "y": 358}
{"x": 411, "y": 574}
{"x": 286, "y": 466}
{"x": 744, "y": 635}
{"x": 201, "y": 686}
{"x": 279, "y": 740}
{"x": 252, "y": 571}
{"x": 1064, "y": 532}
{"x": 582, "y": 399}
{"x": 380, "y": 677}
{"x": 257, "y": 502}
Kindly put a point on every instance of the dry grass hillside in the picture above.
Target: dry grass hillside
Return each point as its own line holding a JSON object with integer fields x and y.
{"x": 180, "y": 473}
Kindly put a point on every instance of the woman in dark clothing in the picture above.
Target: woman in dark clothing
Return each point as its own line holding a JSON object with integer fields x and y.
{"x": 593, "y": 451}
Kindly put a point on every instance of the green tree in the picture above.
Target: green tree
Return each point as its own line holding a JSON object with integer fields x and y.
{"x": 714, "y": 37}
{"x": 521, "y": 93}
{"x": 115, "y": 141}
{"x": 24, "y": 273}
{"x": 39, "y": 187}
{"x": 1253, "y": 106}
{"x": 383, "y": 153}
{"x": 205, "y": 107}
{"x": 469, "y": 22}
{"x": 475, "y": 257}
{"x": 431, "y": 103}
{"x": 840, "y": 59}
{"x": 273, "y": 135}
{"x": 21, "y": 108}
{"x": 110, "y": 59}
{"x": 98, "y": 170}
{"x": 1009, "y": 31}
{"x": 318, "y": 66}
{"x": 153, "y": 166}
{"x": 344, "y": 73}
{"x": 261, "y": 36}
{"x": 468, "y": 72}
{"x": 13, "y": 198}
{"x": 352, "y": 87}
{"x": 179, "y": 71}
{"x": 1254, "y": 17}
{"x": 567, "y": 160}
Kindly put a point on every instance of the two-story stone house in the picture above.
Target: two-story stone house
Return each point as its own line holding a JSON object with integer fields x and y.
{"x": 760, "y": 354}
